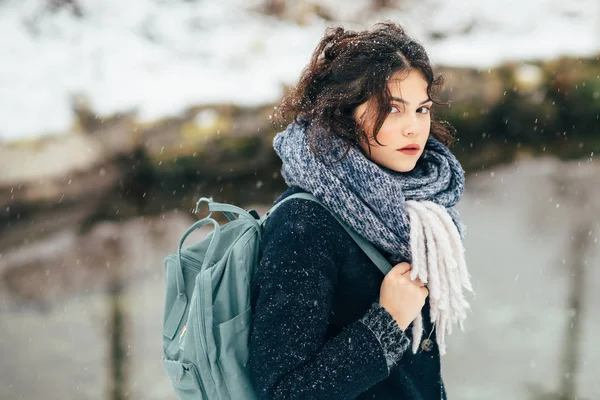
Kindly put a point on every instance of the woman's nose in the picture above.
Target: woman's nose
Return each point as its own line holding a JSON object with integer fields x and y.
{"x": 410, "y": 128}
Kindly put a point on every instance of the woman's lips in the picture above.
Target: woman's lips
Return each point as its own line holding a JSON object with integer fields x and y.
{"x": 409, "y": 152}
{"x": 410, "y": 149}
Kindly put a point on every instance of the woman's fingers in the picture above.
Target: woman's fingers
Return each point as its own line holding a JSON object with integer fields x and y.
{"x": 403, "y": 267}
{"x": 419, "y": 282}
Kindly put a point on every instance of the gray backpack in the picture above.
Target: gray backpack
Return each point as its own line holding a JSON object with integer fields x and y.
{"x": 207, "y": 315}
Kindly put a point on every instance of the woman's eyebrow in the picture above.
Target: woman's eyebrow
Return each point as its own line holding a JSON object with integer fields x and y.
{"x": 407, "y": 103}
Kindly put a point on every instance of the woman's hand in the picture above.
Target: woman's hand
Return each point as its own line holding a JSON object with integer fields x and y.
{"x": 402, "y": 297}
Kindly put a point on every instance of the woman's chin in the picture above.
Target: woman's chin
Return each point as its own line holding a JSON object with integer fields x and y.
{"x": 401, "y": 167}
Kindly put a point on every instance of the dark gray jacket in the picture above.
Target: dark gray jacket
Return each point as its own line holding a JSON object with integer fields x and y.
{"x": 318, "y": 331}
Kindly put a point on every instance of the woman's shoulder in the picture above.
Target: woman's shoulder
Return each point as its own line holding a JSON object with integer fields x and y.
{"x": 299, "y": 209}
{"x": 302, "y": 217}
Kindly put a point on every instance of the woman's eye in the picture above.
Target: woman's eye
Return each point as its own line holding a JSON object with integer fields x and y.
{"x": 423, "y": 110}
{"x": 394, "y": 110}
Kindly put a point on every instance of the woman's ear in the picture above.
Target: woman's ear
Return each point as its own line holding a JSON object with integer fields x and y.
{"x": 358, "y": 116}
{"x": 362, "y": 137}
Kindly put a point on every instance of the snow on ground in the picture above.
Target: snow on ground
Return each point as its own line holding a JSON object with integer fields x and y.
{"x": 158, "y": 56}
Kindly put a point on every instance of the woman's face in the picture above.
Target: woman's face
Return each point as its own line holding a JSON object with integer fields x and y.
{"x": 407, "y": 124}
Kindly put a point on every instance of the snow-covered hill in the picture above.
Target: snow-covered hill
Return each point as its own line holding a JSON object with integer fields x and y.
{"x": 160, "y": 56}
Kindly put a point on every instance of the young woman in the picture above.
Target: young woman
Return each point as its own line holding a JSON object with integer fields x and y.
{"x": 327, "y": 323}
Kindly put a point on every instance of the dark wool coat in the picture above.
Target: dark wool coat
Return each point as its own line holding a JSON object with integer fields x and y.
{"x": 318, "y": 331}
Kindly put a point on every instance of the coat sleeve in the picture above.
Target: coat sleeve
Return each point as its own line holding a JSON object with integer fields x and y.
{"x": 290, "y": 357}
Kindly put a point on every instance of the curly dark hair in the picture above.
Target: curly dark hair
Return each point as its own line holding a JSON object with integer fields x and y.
{"x": 349, "y": 68}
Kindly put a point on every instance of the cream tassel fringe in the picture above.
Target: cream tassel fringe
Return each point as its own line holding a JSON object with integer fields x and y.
{"x": 438, "y": 260}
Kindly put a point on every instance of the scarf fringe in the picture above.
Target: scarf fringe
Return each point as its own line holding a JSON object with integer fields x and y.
{"x": 438, "y": 260}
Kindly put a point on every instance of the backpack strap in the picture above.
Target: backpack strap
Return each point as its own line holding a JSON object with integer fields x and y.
{"x": 229, "y": 211}
{"x": 370, "y": 250}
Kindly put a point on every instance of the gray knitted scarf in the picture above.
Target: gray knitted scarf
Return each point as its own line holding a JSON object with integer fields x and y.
{"x": 381, "y": 205}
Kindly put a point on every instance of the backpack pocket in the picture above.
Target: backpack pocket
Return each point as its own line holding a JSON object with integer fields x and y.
{"x": 233, "y": 337}
{"x": 185, "y": 380}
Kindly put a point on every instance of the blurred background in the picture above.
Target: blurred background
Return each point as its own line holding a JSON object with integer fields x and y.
{"x": 115, "y": 117}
